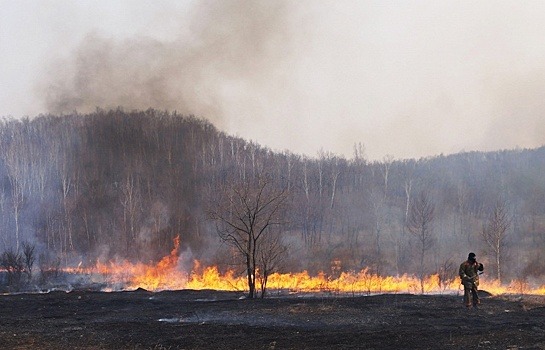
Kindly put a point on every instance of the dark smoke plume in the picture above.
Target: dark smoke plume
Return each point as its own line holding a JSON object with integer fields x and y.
{"x": 227, "y": 46}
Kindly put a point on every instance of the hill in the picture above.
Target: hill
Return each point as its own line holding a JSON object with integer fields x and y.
{"x": 122, "y": 185}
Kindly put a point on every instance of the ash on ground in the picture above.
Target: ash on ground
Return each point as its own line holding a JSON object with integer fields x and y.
{"x": 188, "y": 319}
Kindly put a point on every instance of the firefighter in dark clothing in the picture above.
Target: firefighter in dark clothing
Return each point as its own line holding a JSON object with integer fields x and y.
{"x": 469, "y": 273}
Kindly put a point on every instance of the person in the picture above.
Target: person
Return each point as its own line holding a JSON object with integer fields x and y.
{"x": 469, "y": 274}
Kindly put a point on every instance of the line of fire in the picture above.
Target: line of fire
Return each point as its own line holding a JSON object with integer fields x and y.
{"x": 167, "y": 275}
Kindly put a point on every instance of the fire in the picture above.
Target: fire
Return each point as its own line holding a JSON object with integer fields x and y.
{"x": 212, "y": 279}
{"x": 167, "y": 275}
{"x": 164, "y": 274}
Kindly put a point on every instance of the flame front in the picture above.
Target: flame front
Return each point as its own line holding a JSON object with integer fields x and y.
{"x": 167, "y": 275}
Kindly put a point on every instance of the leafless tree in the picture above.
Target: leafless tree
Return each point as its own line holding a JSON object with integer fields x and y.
{"x": 29, "y": 257}
{"x": 386, "y": 165}
{"x": 50, "y": 268}
{"x": 17, "y": 181}
{"x": 379, "y": 212}
{"x": 244, "y": 215}
{"x": 335, "y": 173}
{"x": 12, "y": 262}
{"x": 131, "y": 203}
{"x": 271, "y": 252}
{"x": 463, "y": 209}
{"x": 446, "y": 274}
{"x": 494, "y": 233}
{"x": 420, "y": 221}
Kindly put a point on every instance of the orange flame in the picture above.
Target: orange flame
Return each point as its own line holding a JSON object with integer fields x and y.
{"x": 167, "y": 275}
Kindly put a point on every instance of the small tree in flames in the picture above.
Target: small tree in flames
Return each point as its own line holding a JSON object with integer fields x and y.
{"x": 271, "y": 253}
{"x": 244, "y": 214}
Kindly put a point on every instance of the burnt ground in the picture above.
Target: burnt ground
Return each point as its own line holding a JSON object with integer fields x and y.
{"x": 222, "y": 320}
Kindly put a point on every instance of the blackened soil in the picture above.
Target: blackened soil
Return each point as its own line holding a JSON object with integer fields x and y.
{"x": 222, "y": 320}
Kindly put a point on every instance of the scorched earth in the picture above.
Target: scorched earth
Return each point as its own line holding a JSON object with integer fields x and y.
{"x": 224, "y": 320}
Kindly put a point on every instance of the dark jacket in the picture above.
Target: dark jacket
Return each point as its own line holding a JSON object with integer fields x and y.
{"x": 469, "y": 271}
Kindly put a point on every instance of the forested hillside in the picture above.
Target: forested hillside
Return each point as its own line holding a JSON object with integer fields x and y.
{"x": 120, "y": 185}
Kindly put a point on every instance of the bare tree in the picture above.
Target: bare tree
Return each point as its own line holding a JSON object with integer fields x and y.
{"x": 244, "y": 216}
{"x": 379, "y": 211}
{"x": 386, "y": 165}
{"x": 463, "y": 211}
{"x": 446, "y": 273}
{"x": 29, "y": 257}
{"x": 131, "y": 203}
{"x": 335, "y": 173}
{"x": 495, "y": 231}
{"x": 12, "y": 262}
{"x": 271, "y": 254}
{"x": 16, "y": 171}
{"x": 50, "y": 268}
{"x": 420, "y": 225}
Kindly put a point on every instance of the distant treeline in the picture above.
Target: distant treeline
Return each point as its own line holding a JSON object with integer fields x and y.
{"x": 116, "y": 184}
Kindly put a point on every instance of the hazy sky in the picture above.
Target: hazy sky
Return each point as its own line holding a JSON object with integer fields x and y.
{"x": 405, "y": 78}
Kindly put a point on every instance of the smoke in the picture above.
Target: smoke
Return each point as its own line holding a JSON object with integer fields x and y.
{"x": 518, "y": 107}
{"x": 227, "y": 46}
{"x": 408, "y": 79}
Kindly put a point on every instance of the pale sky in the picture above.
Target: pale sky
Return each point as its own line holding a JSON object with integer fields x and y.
{"x": 407, "y": 79}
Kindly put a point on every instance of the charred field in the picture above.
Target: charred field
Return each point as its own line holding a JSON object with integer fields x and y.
{"x": 190, "y": 319}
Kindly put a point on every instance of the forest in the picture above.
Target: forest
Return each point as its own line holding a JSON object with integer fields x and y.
{"x": 112, "y": 184}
